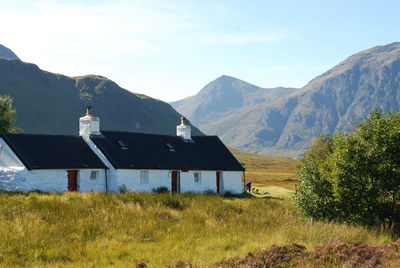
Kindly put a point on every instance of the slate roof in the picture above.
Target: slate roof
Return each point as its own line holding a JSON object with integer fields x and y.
{"x": 52, "y": 151}
{"x": 127, "y": 150}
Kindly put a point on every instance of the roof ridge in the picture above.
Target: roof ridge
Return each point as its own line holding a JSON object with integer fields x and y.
{"x": 35, "y": 134}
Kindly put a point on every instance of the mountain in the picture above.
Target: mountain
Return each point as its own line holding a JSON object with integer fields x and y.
{"x": 224, "y": 96}
{"x": 345, "y": 94}
{"x": 7, "y": 53}
{"x": 51, "y": 103}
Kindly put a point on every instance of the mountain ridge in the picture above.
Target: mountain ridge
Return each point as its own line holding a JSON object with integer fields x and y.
{"x": 7, "y": 53}
{"x": 346, "y": 93}
{"x": 49, "y": 103}
{"x": 223, "y": 96}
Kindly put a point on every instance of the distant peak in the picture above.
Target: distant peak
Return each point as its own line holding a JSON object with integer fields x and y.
{"x": 7, "y": 53}
{"x": 226, "y": 77}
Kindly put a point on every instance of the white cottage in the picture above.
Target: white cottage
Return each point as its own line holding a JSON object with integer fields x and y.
{"x": 110, "y": 161}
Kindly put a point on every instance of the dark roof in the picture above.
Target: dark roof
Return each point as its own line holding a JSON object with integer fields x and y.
{"x": 52, "y": 151}
{"x": 127, "y": 150}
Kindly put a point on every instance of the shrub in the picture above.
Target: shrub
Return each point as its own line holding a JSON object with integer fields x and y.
{"x": 210, "y": 192}
{"x": 122, "y": 189}
{"x": 161, "y": 190}
{"x": 354, "y": 177}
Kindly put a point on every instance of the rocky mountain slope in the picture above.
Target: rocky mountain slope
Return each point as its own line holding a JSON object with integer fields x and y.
{"x": 7, "y": 53}
{"x": 224, "y": 96}
{"x": 52, "y": 103}
{"x": 334, "y": 100}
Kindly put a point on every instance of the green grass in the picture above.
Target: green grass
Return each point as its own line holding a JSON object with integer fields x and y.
{"x": 98, "y": 229}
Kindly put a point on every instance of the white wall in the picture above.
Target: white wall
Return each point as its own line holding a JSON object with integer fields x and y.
{"x": 7, "y": 157}
{"x": 86, "y": 184}
{"x": 131, "y": 179}
{"x": 232, "y": 181}
{"x": 48, "y": 180}
{"x": 207, "y": 182}
{"x": 25, "y": 180}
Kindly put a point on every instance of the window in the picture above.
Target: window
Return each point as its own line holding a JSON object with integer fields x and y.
{"x": 197, "y": 177}
{"x": 94, "y": 174}
{"x": 144, "y": 177}
{"x": 170, "y": 147}
{"x": 122, "y": 145}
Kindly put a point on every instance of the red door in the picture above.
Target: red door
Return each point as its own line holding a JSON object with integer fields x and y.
{"x": 72, "y": 180}
{"x": 218, "y": 176}
{"x": 175, "y": 182}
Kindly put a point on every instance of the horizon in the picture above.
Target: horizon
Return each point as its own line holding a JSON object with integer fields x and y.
{"x": 170, "y": 50}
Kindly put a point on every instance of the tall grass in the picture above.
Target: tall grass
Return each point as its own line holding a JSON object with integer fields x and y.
{"x": 99, "y": 229}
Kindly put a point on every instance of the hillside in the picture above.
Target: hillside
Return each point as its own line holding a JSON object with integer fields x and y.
{"x": 264, "y": 170}
{"x": 121, "y": 230}
{"x": 345, "y": 94}
{"x": 7, "y": 53}
{"x": 51, "y": 103}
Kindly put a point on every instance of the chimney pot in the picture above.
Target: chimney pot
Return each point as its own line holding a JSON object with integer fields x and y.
{"x": 89, "y": 124}
{"x": 89, "y": 110}
{"x": 184, "y": 129}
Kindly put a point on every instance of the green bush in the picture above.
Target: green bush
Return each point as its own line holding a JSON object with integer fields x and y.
{"x": 161, "y": 190}
{"x": 354, "y": 177}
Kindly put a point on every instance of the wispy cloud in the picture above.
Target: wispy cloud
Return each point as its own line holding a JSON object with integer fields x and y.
{"x": 244, "y": 38}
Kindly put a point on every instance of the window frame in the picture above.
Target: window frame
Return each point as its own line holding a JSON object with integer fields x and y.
{"x": 198, "y": 179}
{"x": 94, "y": 174}
{"x": 144, "y": 177}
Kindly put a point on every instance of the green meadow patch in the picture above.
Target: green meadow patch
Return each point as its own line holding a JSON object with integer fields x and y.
{"x": 100, "y": 229}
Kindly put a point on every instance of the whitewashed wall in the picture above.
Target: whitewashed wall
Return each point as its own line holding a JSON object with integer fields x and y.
{"x": 7, "y": 157}
{"x": 25, "y": 180}
{"x": 231, "y": 181}
{"x": 131, "y": 179}
{"x": 86, "y": 184}
{"x": 49, "y": 180}
{"x": 207, "y": 182}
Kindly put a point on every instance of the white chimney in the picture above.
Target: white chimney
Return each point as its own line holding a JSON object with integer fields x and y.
{"x": 89, "y": 124}
{"x": 183, "y": 129}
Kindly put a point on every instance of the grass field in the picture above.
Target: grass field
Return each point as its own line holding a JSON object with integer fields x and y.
{"x": 265, "y": 170}
{"x": 98, "y": 229}
{"x": 161, "y": 230}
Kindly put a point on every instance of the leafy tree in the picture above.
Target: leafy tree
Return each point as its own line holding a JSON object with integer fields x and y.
{"x": 7, "y": 115}
{"x": 314, "y": 196}
{"x": 357, "y": 179}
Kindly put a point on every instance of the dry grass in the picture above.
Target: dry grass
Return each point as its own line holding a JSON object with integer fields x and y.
{"x": 265, "y": 170}
{"x": 98, "y": 230}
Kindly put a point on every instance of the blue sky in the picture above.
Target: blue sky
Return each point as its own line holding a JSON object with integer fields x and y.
{"x": 170, "y": 49}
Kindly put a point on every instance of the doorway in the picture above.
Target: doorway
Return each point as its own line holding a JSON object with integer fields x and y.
{"x": 175, "y": 182}
{"x": 219, "y": 182}
{"x": 72, "y": 180}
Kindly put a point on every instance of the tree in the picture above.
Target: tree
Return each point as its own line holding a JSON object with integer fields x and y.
{"x": 314, "y": 196}
{"x": 358, "y": 179}
{"x": 7, "y": 115}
